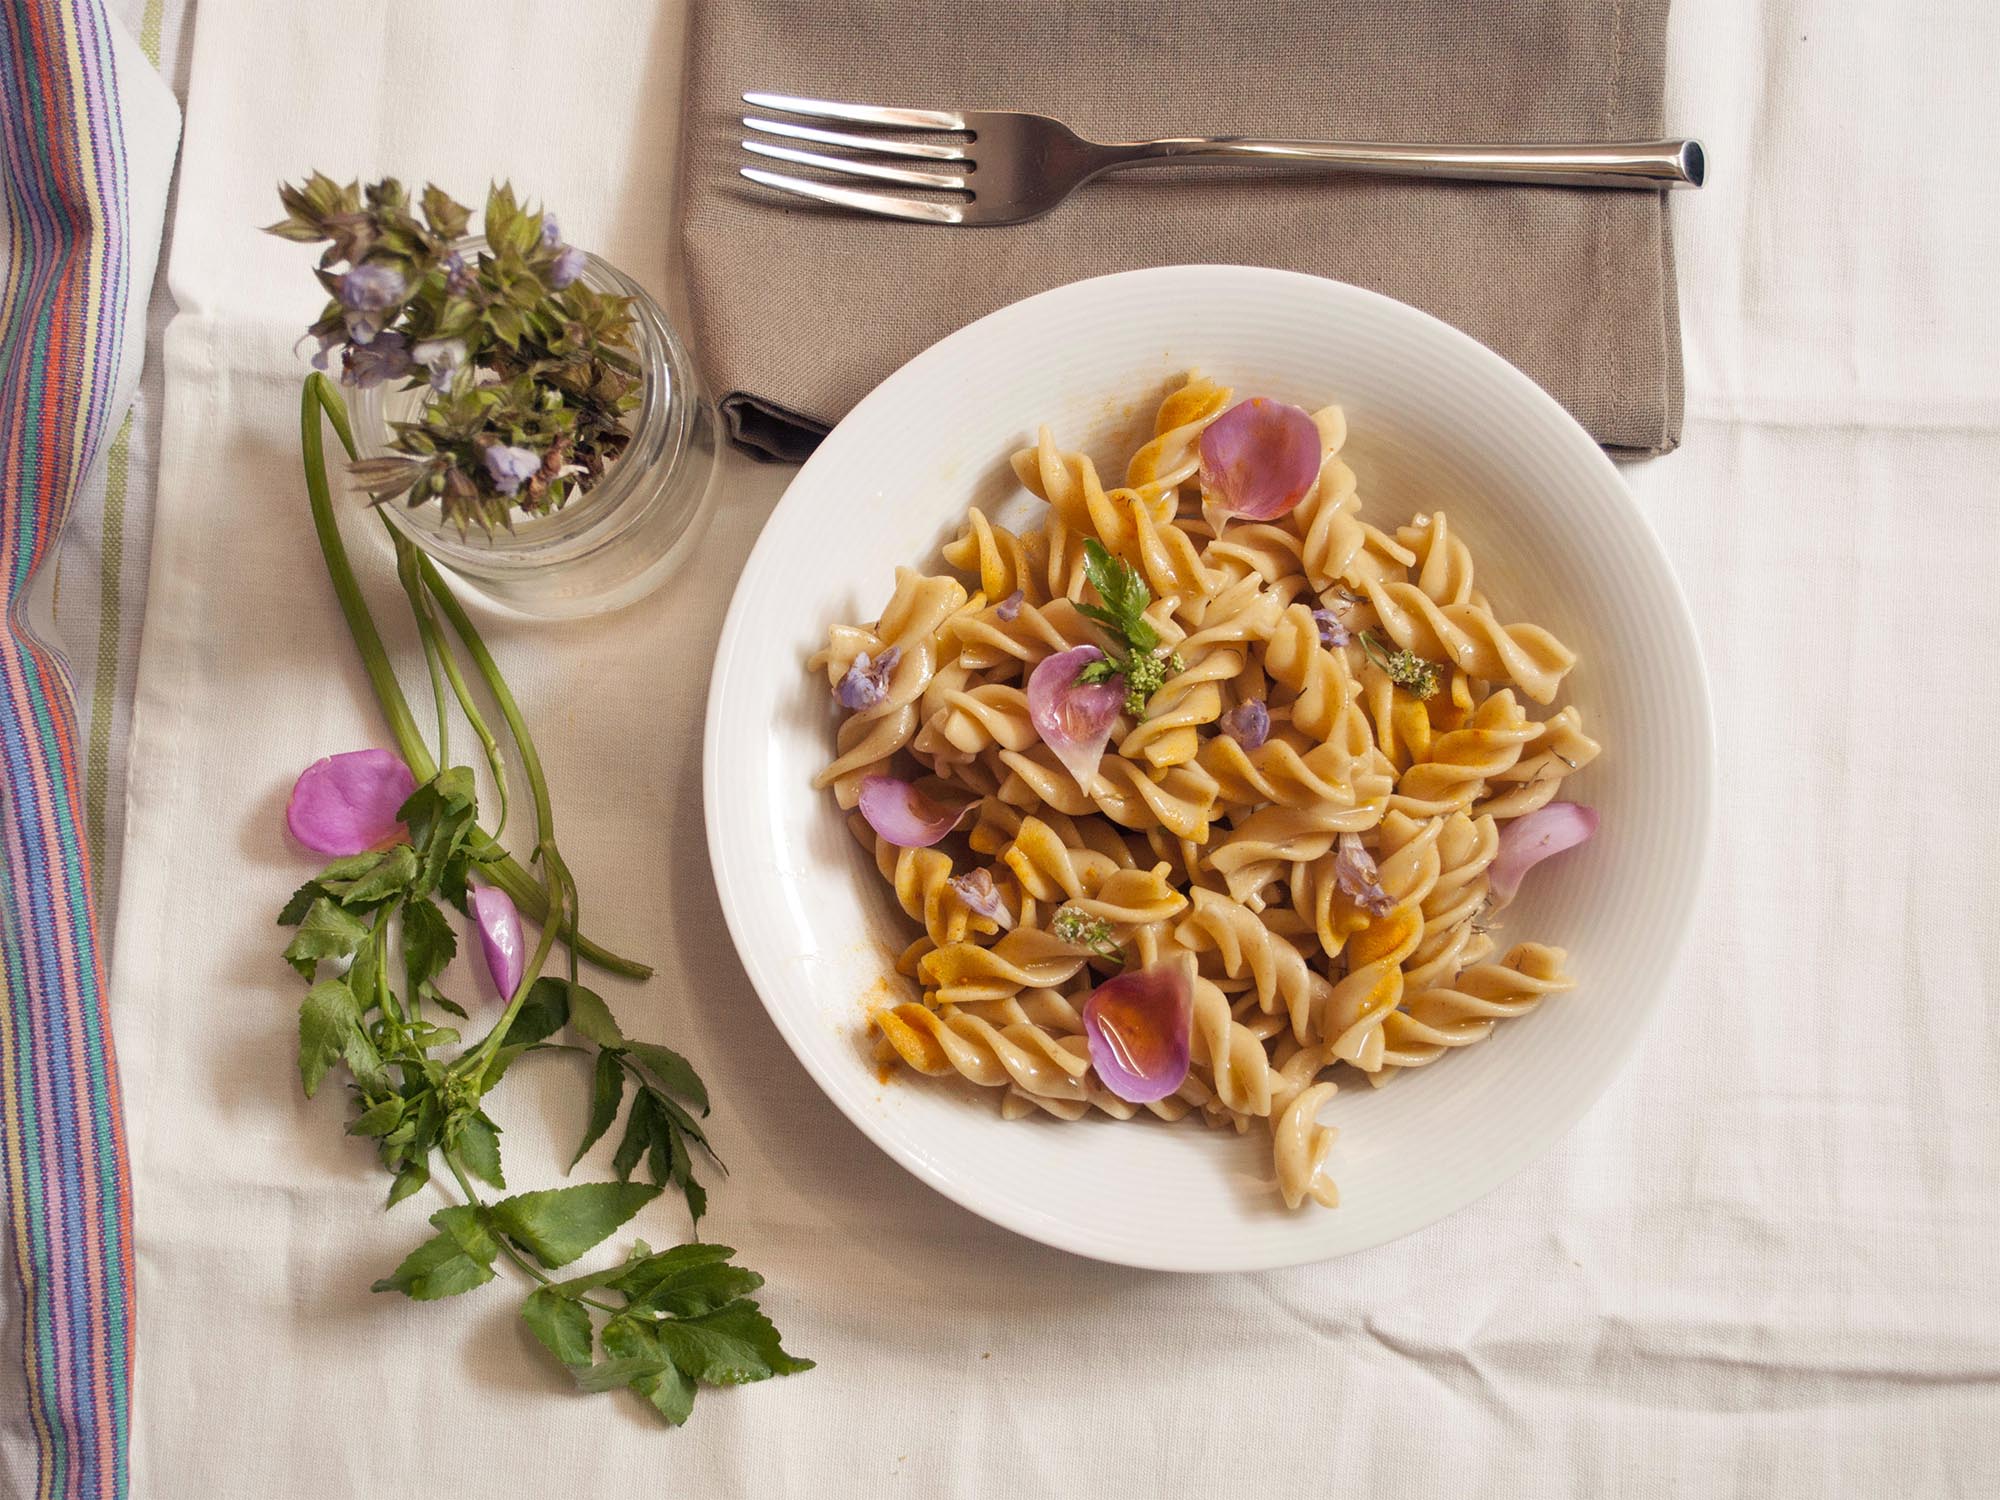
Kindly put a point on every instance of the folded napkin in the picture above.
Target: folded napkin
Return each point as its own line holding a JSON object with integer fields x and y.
{"x": 798, "y": 312}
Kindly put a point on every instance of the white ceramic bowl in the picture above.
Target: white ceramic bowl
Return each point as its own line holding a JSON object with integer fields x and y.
{"x": 1435, "y": 420}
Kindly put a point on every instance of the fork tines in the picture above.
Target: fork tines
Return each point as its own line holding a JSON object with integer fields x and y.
{"x": 941, "y": 179}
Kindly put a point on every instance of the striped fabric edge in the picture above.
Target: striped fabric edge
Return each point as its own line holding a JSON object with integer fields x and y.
{"x": 63, "y": 1163}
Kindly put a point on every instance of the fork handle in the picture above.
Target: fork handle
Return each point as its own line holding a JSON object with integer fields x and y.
{"x": 1621, "y": 164}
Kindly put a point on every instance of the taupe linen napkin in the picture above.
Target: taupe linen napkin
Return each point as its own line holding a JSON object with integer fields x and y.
{"x": 798, "y": 312}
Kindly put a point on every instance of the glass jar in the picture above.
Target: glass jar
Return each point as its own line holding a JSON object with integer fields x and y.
{"x": 621, "y": 538}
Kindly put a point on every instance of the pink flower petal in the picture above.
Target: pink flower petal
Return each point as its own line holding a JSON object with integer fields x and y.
{"x": 1074, "y": 718}
{"x": 1526, "y": 842}
{"x": 500, "y": 937}
{"x": 347, "y": 804}
{"x": 903, "y": 815}
{"x": 1259, "y": 458}
{"x": 1139, "y": 1027}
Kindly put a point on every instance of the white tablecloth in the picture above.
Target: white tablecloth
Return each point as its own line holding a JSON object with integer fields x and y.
{"x": 1765, "y": 1264}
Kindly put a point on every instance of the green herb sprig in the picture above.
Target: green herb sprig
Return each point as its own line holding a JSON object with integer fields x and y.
{"x": 1078, "y": 928}
{"x": 1409, "y": 671}
{"x": 1136, "y": 655}
{"x": 372, "y": 940}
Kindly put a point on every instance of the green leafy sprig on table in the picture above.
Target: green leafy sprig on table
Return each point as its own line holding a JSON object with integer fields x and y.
{"x": 531, "y": 374}
{"x": 1135, "y": 651}
{"x": 372, "y": 940}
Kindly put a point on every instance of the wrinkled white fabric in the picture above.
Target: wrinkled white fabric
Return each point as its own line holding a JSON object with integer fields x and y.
{"x": 1763, "y": 1265}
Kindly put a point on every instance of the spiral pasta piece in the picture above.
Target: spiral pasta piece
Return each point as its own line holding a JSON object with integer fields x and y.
{"x": 1435, "y": 1021}
{"x": 1299, "y": 1143}
{"x": 1244, "y": 945}
{"x": 1454, "y": 767}
{"x": 1559, "y": 749}
{"x": 1471, "y": 639}
{"x": 1172, "y": 455}
{"x": 1025, "y": 959}
{"x": 950, "y": 1041}
{"x": 997, "y": 557}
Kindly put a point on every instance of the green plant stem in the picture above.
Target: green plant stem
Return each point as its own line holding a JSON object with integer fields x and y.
{"x": 533, "y": 1271}
{"x": 427, "y": 634}
{"x": 320, "y": 396}
{"x": 502, "y": 869}
{"x": 437, "y": 649}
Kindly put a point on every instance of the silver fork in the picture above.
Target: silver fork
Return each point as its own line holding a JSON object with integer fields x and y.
{"x": 1007, "y": 166}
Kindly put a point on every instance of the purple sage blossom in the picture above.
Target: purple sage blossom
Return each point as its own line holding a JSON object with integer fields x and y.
{"x": 551, "y": 232}
{"x": 1009, "y": 609}
{"x": 384, "y": 357}
{"x": 510, "y": 468}
{"x": 1355, "y": 873}
{"x": 568, "y": 266}
{"x": 1331, "y": 631}
{"x": 457, "y": 274}
{"x": 1249, "y": 723}
{"x": 866, "y": 682}
{"x": 442, "y": 357}
{"x": 976, "y": 889}
{"x": 370, "y": 288}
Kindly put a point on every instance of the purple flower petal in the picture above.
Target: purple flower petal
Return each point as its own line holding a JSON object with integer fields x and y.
{"x": 457, "y": 274}
{"x": 1526, "y": 842}
{"x": 976, "y": 889}
{"x": 1331, "y": 631}
{"x": 904, "y": 816}
{"x": 1249, "y": 723}
{"x": 866, "y": 682}
{"x": 500, "y": 936}
{"x": 347, "y": 804}
{"x": 1009, "y": 608}
{"x": 567, "y": 267}
{"x": 1139, "y": 1027}
{"x": 510, "y": 468}
{"x": 370, "y": 288}
{"x": 1074, "y": 718}
{"x": 1354, "y": 872}
{"x": 369, "y": 362}
{"x": 551, "y": 232}
{"x": 1259, "y": 458}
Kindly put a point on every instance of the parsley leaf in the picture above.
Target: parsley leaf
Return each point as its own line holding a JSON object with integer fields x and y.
{"x": 326, "y": 932}
{"x": 459, "y": 1258}
{"x": 557, "y": 1225}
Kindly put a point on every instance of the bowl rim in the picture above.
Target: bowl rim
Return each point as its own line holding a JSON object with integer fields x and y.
{"x": 739, "y": 623}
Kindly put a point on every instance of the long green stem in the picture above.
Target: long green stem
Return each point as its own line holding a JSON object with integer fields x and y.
{"x": 427, "y": 634}
{"x": 437, "y": 649}
{"x": 321, "y": 396}
{"x": 524, "y": 742}
{"x": 501, "y": 868}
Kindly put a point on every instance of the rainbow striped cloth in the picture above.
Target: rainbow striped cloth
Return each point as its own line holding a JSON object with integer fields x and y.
{"x": 69, "y": 351}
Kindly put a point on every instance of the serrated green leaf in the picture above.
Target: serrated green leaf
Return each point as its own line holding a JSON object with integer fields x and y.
{"x": 606, "y": 1094}
{"x": 679, "y": 1284}
{"x": 592, "y": 1018}
{"x": 379, "y": 1118}
{"x": 325, "y": 933}
{"x": 479, "y": 1150}
{"x": 610, "y": 1374}
{"x": 669, "y": 1391}
{"x": 562, "y": 1325}
{"x": 542, "y": 1014}
{"x": 670, "y": 1069}
{"x": 300, "y": 903}
{"x": 559, "y": 1224}
{"x": 429, "y": 943}
{"x": 410, "y": 1180}
{"x": 329, "y": 1020}
{"x": 457, "y": 1259}
{"x": 638, "y": 1135}
{"x": 731, "y": 1346}
{"x": 391, "y": 875}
